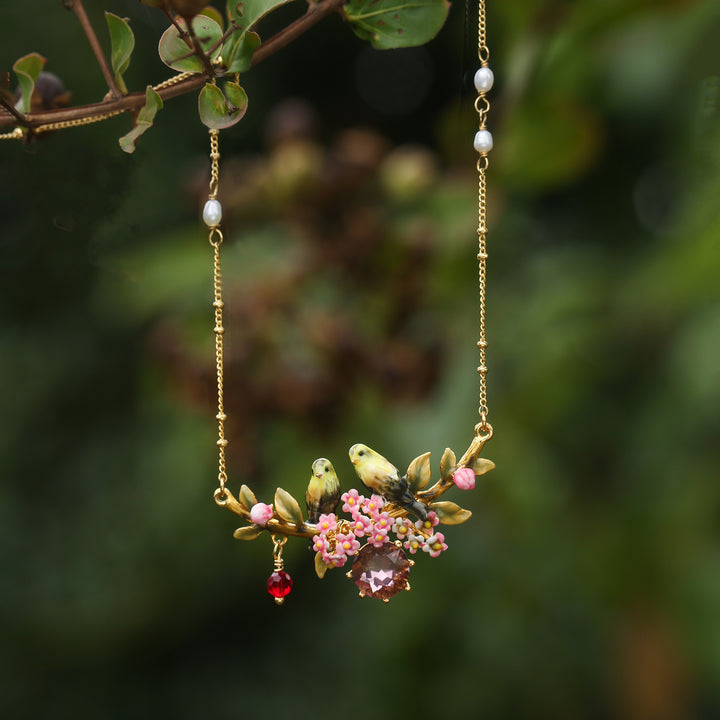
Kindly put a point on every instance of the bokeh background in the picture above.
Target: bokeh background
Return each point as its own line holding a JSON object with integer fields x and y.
{"x": 587, "y": 583}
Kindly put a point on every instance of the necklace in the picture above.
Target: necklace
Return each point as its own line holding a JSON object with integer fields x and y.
{"x": 397, "y": 514}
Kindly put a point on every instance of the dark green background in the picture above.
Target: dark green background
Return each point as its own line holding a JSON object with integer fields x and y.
{"x": 587, "y": 583}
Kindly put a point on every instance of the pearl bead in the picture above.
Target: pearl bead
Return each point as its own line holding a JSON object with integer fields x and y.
{"x": 483, "y": 142}
{"x": 484, "y": 79}
{"x": 212, "y": 213}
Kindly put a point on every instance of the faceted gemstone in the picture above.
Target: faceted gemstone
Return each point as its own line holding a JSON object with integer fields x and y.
{"x": 279, "y": 584}
{"x": 380, "y": 572}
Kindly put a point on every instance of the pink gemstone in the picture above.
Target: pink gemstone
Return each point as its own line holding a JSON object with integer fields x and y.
{"x": 279, "y": 584}
{"x": 380, "y": 572}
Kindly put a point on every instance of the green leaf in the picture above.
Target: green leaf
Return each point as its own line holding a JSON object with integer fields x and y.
{"x": 321, "y": 567}
{"x": 396, "y": 23}
{"x": 238, "y": 50}
{"x": 213, "y": 14}
{"x": 449, "y": 513}
{"x": 27, "y": 69}
{"x": 145, "y": 118}
{"x": 175, "y": 52}
{"x": 247, "y": 498}
{"x": 287, "y": 507}
{"x": 249, "y": 532}
{"x": 419, "y": 473}
{"x": 482, "y": 465}
{"x": 122, "y": 41}
{"x": 447, "y": 463}
{"x": 246, "y": 13}
{"x": 222, "y": 108}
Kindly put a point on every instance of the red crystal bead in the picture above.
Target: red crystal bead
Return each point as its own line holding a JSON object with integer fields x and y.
{"x": 381, "y": 572}
{"x": 279, "y": 584}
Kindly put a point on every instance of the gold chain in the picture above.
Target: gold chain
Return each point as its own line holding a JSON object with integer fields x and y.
{"x": 18, "y": 133}
{"x": 483, "y": 144}
{"x": 216, "y": 239}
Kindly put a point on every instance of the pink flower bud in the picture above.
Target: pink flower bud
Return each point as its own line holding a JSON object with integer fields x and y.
{"x": 261, "y": 513}
{"x": 464, "y": 478}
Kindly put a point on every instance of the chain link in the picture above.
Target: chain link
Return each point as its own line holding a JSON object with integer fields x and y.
{"x": 216, "y": 239}
{"x": 482, "y": 107}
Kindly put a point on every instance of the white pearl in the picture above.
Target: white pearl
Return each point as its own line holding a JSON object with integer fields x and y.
{"x": 484, "y": 79}
{"x": 212, "y": 213}
{"x": 483, "y": 142}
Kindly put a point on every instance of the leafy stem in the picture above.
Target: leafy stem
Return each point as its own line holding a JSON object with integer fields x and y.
{"x": 79, "y": 9}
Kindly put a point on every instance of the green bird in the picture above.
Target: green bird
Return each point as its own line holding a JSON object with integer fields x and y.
{"x": 380, "y": 476}
{"x": 323, "y": 492}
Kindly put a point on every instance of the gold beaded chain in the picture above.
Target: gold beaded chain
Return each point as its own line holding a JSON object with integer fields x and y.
{"x": 212, "y": 215}
{"x": 483, "y": 144}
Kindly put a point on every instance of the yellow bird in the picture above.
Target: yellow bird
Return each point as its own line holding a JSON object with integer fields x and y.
{"x": 380, "y": 476}
{"x": 323, "y": 492}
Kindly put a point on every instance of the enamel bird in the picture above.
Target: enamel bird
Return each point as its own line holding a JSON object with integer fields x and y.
{"x": 380, "y": 476}
{"x": 323, "y": 492}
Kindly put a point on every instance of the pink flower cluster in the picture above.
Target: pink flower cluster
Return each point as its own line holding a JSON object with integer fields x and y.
{"x": 370, "y": 521}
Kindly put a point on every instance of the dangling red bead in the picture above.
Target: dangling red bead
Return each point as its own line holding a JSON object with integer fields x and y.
{"x": 279, "y": 584}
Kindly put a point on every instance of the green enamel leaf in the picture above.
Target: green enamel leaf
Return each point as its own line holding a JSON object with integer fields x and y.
{"x": 447, "y": 463}
{"x": 287, "y": 507}
{"x": 145, "y": 118}
{"x": 321, "y": 567}
{"x": 396, "y": 23}
{"x": 246, "y": 497}
{"x": 481, "y": 466}
{"x": 449, "y": 513}
{"x": 27, "y": 69}
{"x": 237, "y": 52}
{"x": 175, "y": 52}
{"x": 246, "y": 13}
{"x": 249, "y": 532}
{"x": 122, "y": 42}
{"x": 419, "y": 472}
{"x": 222, "y": 108}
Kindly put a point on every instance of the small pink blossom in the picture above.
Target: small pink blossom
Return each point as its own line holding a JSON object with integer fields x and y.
{"x": 427, "y": 526}
{"x": 326, "y": 523}
{"x": 260, "y": 513}
{"x": 464, "y": 478}
{"x": 361, "y": 525}
{"x": 413, "y": 543}
{"x": 383, "y": 522}
{"x": 352, "y": 502}
{"x": 373, "y": 506}
{"x": 320, "y": 543}
{"x": 435, "y": 544}
{"x": 346, "y": 544}
{"x": 401, "y": 528}
{"x": 378, "y": 537}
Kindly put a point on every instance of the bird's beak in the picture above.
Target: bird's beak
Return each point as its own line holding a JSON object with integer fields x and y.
{"x": 318, "y": 475}
{"x": 354, "y": 461}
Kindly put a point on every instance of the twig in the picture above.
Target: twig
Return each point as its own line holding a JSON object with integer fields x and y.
{"x": 79, "y": 10}
{"x": 316, "y": 12}
{"x": 199, "y": 53}
{"x": 19, "y": 117}
{"x": 134, "y": 101}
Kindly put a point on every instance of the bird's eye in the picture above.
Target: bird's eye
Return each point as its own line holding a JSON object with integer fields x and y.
{"x": 362, "y": 452}
{"x": 327, "y": 469}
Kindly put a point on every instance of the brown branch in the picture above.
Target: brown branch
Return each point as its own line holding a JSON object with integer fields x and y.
{"x": 199, "y": 52}
{"x": 20, "y": 119}
{"x": 79, "y": 10}
{"x": 134, "y": 101}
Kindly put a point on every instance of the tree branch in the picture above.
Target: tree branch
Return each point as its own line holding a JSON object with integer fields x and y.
{"x": 79, "y": 9}
{"x": 135, "y": 101}
{"x": 20, "y": 119}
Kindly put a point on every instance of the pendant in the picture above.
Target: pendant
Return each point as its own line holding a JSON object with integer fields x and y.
{"x": 376, "y": 530}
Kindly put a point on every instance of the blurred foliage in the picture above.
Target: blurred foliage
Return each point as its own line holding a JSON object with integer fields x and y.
{"x": 587, "y": 583}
